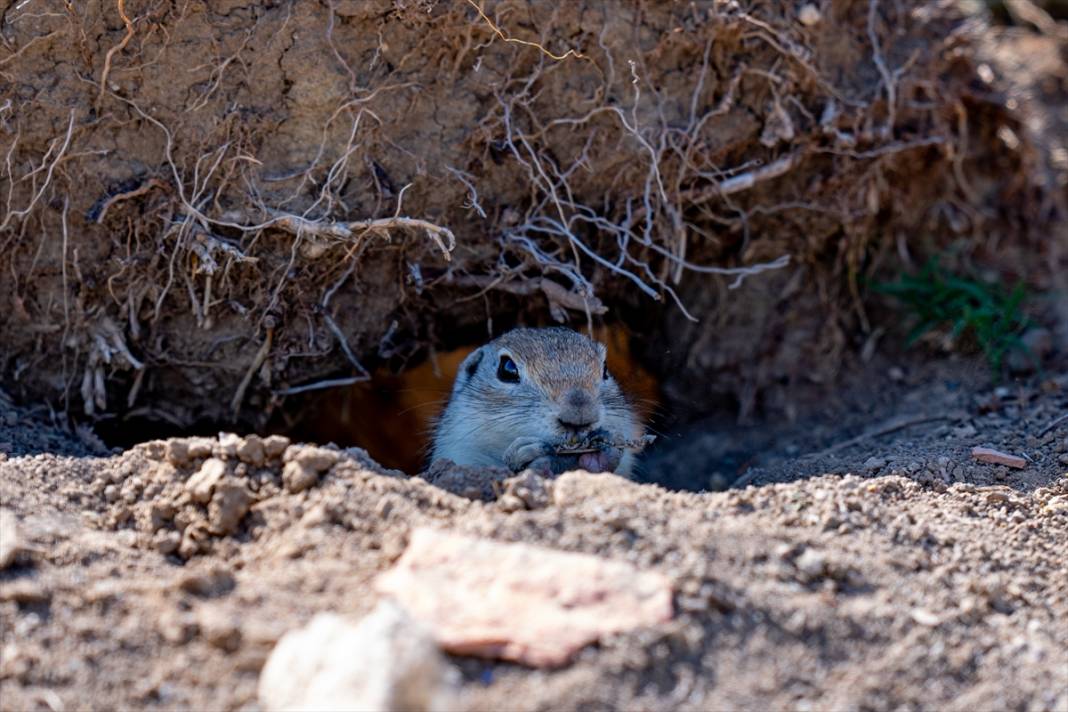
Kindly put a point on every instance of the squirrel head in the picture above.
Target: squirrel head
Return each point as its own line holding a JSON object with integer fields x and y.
{"x": 549, "y": 383}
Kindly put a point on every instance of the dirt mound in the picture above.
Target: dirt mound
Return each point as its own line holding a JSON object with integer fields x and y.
{"x": 829, "y": 592}
{"x": 212, "y": 207}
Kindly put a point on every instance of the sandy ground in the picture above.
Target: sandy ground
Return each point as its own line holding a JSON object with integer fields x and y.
{"x": 885, "y": 571}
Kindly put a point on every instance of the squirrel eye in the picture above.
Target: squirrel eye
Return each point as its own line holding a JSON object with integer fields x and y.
{"x": 507, "y": 371}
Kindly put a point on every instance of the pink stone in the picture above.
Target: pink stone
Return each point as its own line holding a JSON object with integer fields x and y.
{"x": 996, "y": 457}
{"x": 520, "y": 602}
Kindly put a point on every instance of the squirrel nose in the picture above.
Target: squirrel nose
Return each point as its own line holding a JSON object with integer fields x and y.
{"x": 578, "y": 411}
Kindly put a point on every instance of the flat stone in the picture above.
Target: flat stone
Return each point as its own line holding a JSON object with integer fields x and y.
{"x": 996, "y": 457}
{"x": 520, "y": 602}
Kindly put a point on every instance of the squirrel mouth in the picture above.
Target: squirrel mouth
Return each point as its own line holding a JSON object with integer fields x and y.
{"x": 598, "y": 441}
{"x": 601, "y": 461}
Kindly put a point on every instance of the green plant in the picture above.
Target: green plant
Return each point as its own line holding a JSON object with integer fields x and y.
{"x": 987, "y": 312}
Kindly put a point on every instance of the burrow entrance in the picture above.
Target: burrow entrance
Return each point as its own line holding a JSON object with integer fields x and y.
{"x": 701, "y": 443}
{"x": 392, "y": 414}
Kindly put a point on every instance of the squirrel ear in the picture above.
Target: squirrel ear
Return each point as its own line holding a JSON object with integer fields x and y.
{"x": 470, "y": 364}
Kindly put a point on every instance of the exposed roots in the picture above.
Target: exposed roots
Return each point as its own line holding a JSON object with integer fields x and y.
{"x": 249, "y": 223}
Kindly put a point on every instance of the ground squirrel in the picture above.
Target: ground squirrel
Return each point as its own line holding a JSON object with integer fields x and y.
{"x": 541, "y": 399}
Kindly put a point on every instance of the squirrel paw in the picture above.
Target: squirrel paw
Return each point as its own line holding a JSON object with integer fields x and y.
{"x": 528, "y": 453}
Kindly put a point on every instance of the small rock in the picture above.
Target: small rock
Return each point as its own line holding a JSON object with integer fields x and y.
{"x": 200, "y": 448}
{"x": 1063, "y": 459}
{"x": 166, "y": 541}
{"x": 275, "y": 445}
{"x": 521, "y": 602}
{"x": 319, "y": 459}
{"x": 9, "y": 538}
{"x": 178, "y": 452}
{"x": 213, "y": 582}
{"x": 226, "y": 447}
{"x": 809, "y": 15}
{"x": 996, "y": 457}
{"x": 510, "y": 503}
{"x": 318, "y": 515}
{"x": 252, "y": 451}
{"x": 219, "y": 628}
{"x": 925, "y": 617}
{"x": 384, "y": 662}
{"x": 159, "y": 513}
{"x": 896, "y": 374}
{"x": 228, "y": 506}
{"x": 874, "y": 464}
{"x": 153, "y": 449}
{"x": 201, "y": 485}
{"x": 811, "y": 563}
{"x": 297, "y": 478}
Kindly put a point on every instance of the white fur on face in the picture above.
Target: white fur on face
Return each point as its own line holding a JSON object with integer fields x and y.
{"x": 485, "y": 415}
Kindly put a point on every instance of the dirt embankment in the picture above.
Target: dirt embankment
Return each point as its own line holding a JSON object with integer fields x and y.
{"x": 161, "y": 578}
{"x": 247, "y": 199}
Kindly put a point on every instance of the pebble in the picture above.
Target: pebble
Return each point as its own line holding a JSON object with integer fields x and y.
{"x": 228, "y": 507}
{"x": 166, "y": 541}
{"x": 809, "y": 15}
{"x": 385, "y": 661}
{"x": 201, "y": 485}
{"x": 318, "y": 459}
{"x": 297, "y": 478}
{"x": 227, "y": 446}
{"x": 199, "y": 448}
{"x": 252, "y": 451}
{"x": 275, "y": 445}
{"x": 178, "y": 452}
{"x": 873, "y": 464}
{"x": 219, "y": 628}
{"x": 811, "y": 563}
{"x": 925, "y": 617}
